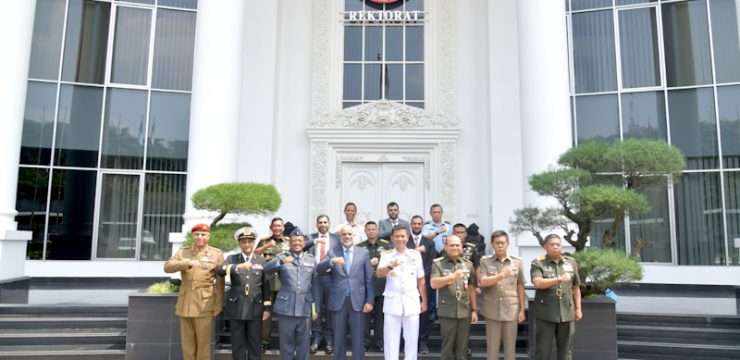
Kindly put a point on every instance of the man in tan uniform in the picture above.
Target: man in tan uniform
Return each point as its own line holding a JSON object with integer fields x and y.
{"x": 201, "y": 293}
{"x": 502, "y": 280}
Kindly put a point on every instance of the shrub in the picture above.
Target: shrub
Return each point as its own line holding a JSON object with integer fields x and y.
{"x": 163, "y": 287}
{"x": 600, "y": 269}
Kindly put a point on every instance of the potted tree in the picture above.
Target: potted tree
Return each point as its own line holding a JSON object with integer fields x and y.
{"x": 153, "y": 329}
{"x": 594, "y": 182}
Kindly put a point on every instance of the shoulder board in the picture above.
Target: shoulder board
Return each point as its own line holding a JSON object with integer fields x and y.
{"x": 465, "y": 260}
{"x": 470, "y": 244}
{"x": 389, "y": 251}
{"x": 265, "y": 238}
{"x": 540, "y": 258}
{"x": 486, "y": 257}
{"x": 566, "y": 257}
{"x": 215, "y": 249}
{"x": 428, "y": 222}
{"x": 439, "y": 259}
{"x": 413, "y": 251}
{"x": 516, "y": 257}
{"x": 383, "y": 241}
{"x": 362, "y": 243}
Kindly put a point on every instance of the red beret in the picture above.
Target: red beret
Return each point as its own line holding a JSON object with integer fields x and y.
{"x": 201, "y": 227}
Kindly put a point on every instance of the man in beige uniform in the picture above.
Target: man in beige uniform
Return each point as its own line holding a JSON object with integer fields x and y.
{"x": 502, "y": 280}
{"x": 201, "y": 294}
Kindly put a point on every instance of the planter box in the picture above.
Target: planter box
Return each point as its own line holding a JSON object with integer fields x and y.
{"x": 596, "y": 333}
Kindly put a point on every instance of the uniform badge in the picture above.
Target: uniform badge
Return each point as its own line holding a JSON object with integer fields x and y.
{"x": 393, "y": 273}
{"x": 568, "y": 267}
{"x": 257, "y": 267}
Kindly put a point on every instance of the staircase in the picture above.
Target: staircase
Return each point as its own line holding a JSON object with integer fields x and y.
{"x": 62, "y": 332}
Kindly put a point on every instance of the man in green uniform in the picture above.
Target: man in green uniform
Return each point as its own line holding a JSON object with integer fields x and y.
{"x": 269, "y": 247}
{"x": 454, "y": 278}
{"x": 557, "y": 300}
{"x": 201, "y": 295}
{"x": 375, "y": 247}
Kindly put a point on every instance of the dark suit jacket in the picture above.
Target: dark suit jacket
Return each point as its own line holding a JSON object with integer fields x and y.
{"x": 334, "y": 241}
{"x": 427, "y": 256}
{"x": 240, "y": 305}
{"x": 385, "y": 228}
{"x": 359, "y": 279}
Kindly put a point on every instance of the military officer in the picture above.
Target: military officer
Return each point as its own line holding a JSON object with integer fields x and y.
{"x": 270, "y": 246}
{"x": 201, "y": 293}
{"x": 436, "y": 228}
{"x": 501, "y": 275}
{"x": 405, "y": 295}
{"x": 294, "y": 303}
{"x": 557, "y": 300}
{"x": 470, "y": 249}
{"x": 454, "y": 278}
{"x": 375, "y": 247}
{"x": 249, "y": 291}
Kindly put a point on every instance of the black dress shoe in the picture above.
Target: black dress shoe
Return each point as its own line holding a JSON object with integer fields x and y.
{"x": 313, "y": 348}
{"x": 329, "y": 349}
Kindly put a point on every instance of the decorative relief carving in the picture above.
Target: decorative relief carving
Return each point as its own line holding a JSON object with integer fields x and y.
{"x": 445, "y": 66}
{"x": 383, "y": 114}
{"x": 402, "y": 181}
{"x": 447, "y": 182}
{"x": 362, "y": 181}
{"x": 319, "y": 153}
{"x": 322, "y": 26}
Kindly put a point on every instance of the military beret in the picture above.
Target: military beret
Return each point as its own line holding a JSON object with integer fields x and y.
{"x": 297, "y": 232}
{"x": 245, "y": 232}
{"x": 201, "y": 227}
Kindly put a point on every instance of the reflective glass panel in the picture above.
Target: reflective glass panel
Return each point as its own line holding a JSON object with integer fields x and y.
{"x": 415, "y": 82}
{"x": 373, "y": 82}
{"x": 47, "y": 39}
{"x": 597, "y": 118}
{"x": 352, "y": 82}
{"x": 699, "y": 225}
{"x": 373, "y": 43}
{"x": 589, "y": 4}
{"x": 131, "y": 46}
{"x": 643, "y": 116}
{"x": 414, "y": 43}
{"x": 693, "y": 126}
{"x": 597, "y": 234}
{"x": 732, "y": 203}
{"x": 151, "y": 2}
{"x": 187, "y": 4}
{"x": 169, "y": 124}
{"x": 164, "y": 204}
{"x": 78, "y": 126}
{"x": 650, "y": 232}
{"x": 353, "y": 5}
{"x": 638, "y": 39}
{"x": 352, "y": 43}
{"x": 124, "y": 129}
{"x": 86, "y": 42}
{"x": 174, "y": 40}
{"x": 728, "y": 98}
{"x": 119, "y": 211}
{"x": 686, "y": 41}
{"x": 415, "y": 5}
{"x": 726, "y": 39}
{"x": 38, "y": 123}
{"x": 629, "y": 2}
{"x": 594, "y": 57}
{"x": 394, "y": 81}
{"x": 31, "y": 206}
{"x": 71, "y": 215}
{"x": 394, "y": 43}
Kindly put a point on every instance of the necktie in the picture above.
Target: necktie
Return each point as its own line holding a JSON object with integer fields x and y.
{"x": 348, "y": 264}
{"x": 394, "y": 222}
{"x": 416, "y": 241}
{"x": 322, "y": 248}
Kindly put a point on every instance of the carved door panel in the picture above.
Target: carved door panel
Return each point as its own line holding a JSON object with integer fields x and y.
{"x": 404, "y": 184}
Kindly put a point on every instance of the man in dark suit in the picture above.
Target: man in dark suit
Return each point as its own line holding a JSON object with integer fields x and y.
{"x": 246, "y": 306}
{"x": 320, "y": 244}
{"x": 428, "y": 253}
{"x": 352, "y": 293}
{"x": 385, "y": 226}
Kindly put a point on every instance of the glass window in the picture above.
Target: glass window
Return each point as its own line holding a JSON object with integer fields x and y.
{"x": 597, "y": 118}
{"x": 373, "y": 82}
{"x": 394, "y": 43}
{"x": 150, "y": 2}
{"x": 47, "y": 39}
{"x": 594, "y": 57}
{"x": 414, "y": 43}
{"x": 71, "y": 215}
{"x": 373, "y": 43}
{"x": 638, "y": 39}
{"x": 728, "y": 100}
{"x": 643, "y": 116}
{"x": 726, "y": 39}
{"x": 699, "y": 225}
{"x": 169, "y": 123}
{"x": 352, "y": 43}
{"x": 78, "y": 126}
{"x": 650, "y": 232}
{"x": 629, "y": 2}
{"x": 415, "y": 82}
{"x": 352, "y": 82}
{"x": 598, "y": 227}
{"x": 31, "y": 205}
{"x": 38, "y": 123}
{"x": 119, "y": 214}
{"x": 173, "y": 50}
{"x": 732, "y": 202}
{"x": 86, "y": 42}
{"x": 589, "y": 4}
{"x": 686, "y": 39}
{"x": 187, "y": 4}
{"x": 393, "y": 85}
{"x": 124, "y": 129}
{"x": 353, "y": 5}
{"x": 131, "y": 46}
{"x": 164, "y": 204}
{"x": 693, "y": 126}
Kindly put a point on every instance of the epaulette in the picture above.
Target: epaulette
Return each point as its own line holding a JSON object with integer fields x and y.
{"x": 428, "y": 222}
{"x": 388, "y": 251}
{"x": 540, "y": 258}
{"x": 439, "y": 258}
{"x": 264, "y": 238}
{"x": 466, "y": 260}
{"x": 470, "y": 244}
{"x": 413, "y": 251}
{"x": 384, "y": 241}
{"x": 363, "y": 243}
{"x": 515, "y": 257}
{"x": 216, "y": 249}
{"x": 486, "y": 257}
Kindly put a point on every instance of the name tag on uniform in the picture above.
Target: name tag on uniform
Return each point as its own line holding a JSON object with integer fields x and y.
{"x": 567, "y": 267}
{"x": 257, "y": 267}
{"x": 446, "y": 272}
{"x": 308, "y": 265}
{"x": 493, "y": 269}
{"x": 207, "y": 259}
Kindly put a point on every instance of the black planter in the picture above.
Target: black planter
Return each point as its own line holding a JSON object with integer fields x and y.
{"x": 596, "y": 333}
{"x": 153, "y": 329}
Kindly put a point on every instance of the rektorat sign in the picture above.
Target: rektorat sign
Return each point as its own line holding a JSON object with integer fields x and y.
{"x": 370, "y": 16}
{"x": 383, "y": 1}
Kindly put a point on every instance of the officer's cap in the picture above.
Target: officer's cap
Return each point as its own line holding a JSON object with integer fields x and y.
{"x": 201, "y": 227}
{"x": 297, "y": 232}
{"x": 245, "y": 232}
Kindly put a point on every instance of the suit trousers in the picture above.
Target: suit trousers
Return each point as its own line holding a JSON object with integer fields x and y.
{"x": 294, "y": 337}
{"x": 346, "y": 316}
{"x": 495, "y": 332}
{"x": 454, "y": 338}
{"x": 393, "y": 326}
{"x": 196, "y": 335}
{"x": 377, "y": 316}
{"x": 267, "y": 324}
{"x": 321, "y": 328}
{"x": 425, "y": 323}
{"x": 245, "y": 339}
{"x": 547, "y": 332}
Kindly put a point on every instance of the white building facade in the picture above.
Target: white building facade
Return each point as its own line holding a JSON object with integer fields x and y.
{"x": 118, "y": 111}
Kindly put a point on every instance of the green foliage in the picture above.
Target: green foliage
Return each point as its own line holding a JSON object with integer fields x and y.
{"x": 600, "y": 269}
{"x": 237, "y": 198}
{"x": 222, "y": 236}
{"x": 534, "y": 219}
{"x": 163, "y": 287}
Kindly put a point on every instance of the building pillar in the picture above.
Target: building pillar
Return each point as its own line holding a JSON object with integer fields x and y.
{"x": 16, "y": 22}
{"x": 544, "y": 88}
{"x": 216, "y": 100}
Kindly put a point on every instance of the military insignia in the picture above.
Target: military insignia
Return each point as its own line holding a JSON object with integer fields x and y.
{"x": 257, "y": 267}
{"x": 568, "y": 267}
{"x": 393, "y": 273}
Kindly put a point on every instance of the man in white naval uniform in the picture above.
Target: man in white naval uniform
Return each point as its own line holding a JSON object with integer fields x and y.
{"x": 404, "y": 273}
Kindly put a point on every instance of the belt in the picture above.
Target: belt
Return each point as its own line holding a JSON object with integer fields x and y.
{"x": 294, "y": 290}
{"x": 192, "y": 284}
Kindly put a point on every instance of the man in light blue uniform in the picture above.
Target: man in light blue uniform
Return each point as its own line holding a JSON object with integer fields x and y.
{"x": 436, "y": 229}
{"x": 294, "y": 301}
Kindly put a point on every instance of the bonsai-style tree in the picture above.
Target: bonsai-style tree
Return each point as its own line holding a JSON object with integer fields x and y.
{"x": 596, "y": 181}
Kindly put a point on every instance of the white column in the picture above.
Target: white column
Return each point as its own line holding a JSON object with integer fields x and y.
{"x": 543, "y": 76}
{"x": 215, "y": 106}
{"x": 16, "y": 23}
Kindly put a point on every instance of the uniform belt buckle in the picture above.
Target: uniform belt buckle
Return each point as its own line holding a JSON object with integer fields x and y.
{"x": 559, "y": 292}
{"x": 458, "y": 294}
{"x": 246, "y": 289}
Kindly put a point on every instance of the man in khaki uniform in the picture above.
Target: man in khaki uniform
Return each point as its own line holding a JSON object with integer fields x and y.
{"x": 201, "y": 293}
{"x": 269, "y": 247}
{"x": 454, "y": 278}
{"x": 557, "y": 301}
{"x": 502, "y": 279}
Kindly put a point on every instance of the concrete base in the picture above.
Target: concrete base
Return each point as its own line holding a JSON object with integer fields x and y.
{"x": 13, "y": 245}
{"x": 14, "y": 291}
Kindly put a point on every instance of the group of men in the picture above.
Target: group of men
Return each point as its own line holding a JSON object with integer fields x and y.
{"x": 382, "y": 287}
